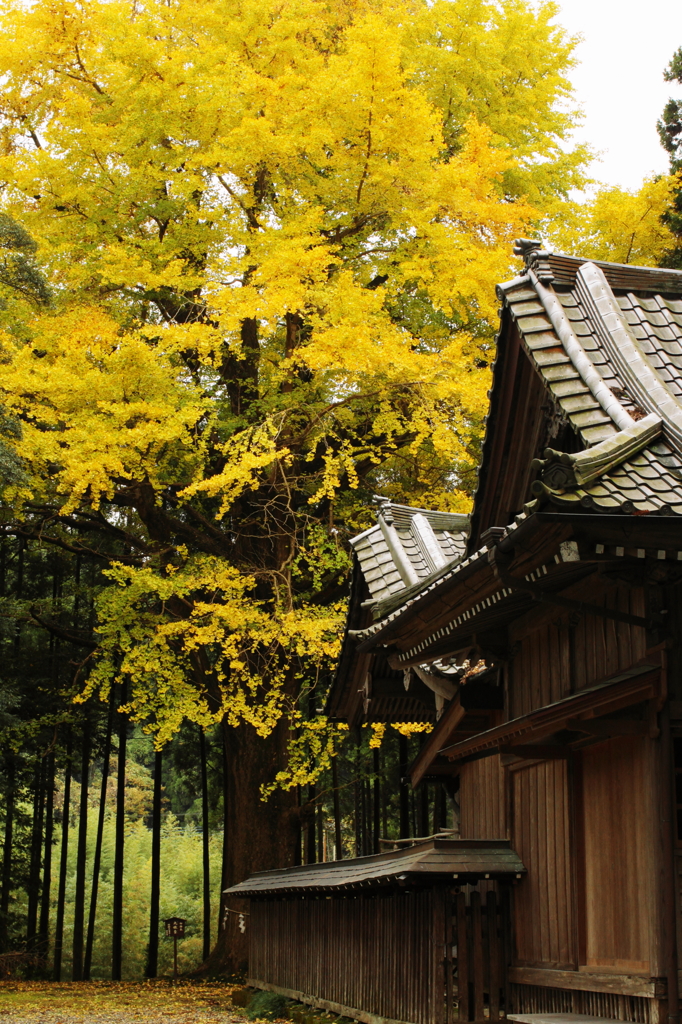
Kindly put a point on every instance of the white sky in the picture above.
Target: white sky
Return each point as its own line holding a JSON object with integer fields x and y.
{"x": 619, "y": 83}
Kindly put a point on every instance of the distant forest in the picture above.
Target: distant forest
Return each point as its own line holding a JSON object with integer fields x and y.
{"x": 155, "y": 846}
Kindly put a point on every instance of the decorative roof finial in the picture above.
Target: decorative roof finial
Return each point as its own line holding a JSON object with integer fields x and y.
{"x": 535, "y": 257}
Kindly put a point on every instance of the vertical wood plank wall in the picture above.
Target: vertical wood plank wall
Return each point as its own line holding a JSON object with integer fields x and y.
{"x": 541, "y": 670}
{"x": 617, "y": 836}
{"x": 482, "y": 800}
{"x": 603, "y": 647}
{"x": 543, "y": 915}
{"x": 555, "y": 658}
{"x": 371, "y": 954}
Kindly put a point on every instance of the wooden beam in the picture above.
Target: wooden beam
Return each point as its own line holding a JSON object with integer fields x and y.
{"x": 608, "y": 726}
{"x": 580, "y": 607}
{"x": 537, "y": 751}
{"x": 442, "y": 734}
{"x": 618, "y": 984}
{"x": 639, "y": 683}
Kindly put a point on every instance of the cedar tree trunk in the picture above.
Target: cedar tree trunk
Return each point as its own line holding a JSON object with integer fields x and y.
{"x": 262, "y": 834}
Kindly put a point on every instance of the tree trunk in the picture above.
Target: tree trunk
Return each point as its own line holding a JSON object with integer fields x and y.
{"x": 205, "y": 844}
{"x": 63, "y": 862}
{"x": 19, "y": 589}
{"x": 337, "y": 811}
{"x": 377, "y": 803}
{"x": 367, "y": 819}
{"x": 385, "y": 800}
{"x": 36, "y": 851}
{"x": 224, "y": 867}
{"x": 79, "y": 896}
{"x": 44, "y": 934}
{"x": 92, "y": 914}
{"x": 424, "y": 810}
{"x": 152, "y": 967}
{"x": 319, "y": 818}
{"x": 310, "y": 830}
{"x": 7, "y": 858}
{"x": 262, "y": 833}
{"x": 440, "y": 810}
{"x": 119, "y": 846}
{"x": 403, "y": 756}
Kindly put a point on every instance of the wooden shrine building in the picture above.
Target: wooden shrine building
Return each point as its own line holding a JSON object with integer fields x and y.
{"x": 565, "y": 591}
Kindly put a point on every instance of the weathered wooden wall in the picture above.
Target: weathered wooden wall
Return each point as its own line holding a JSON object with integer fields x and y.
{"x": 372, "y": 954}
{"x": 482, "y": 800}
{"x": 555, "y": 658}
{"x": 543, "y": 920}
{"x": 618, "y": 867}
{"x": 601, "y": 646}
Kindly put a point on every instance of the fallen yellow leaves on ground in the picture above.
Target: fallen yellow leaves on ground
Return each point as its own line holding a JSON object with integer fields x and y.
{"x": 103, "y": 1002}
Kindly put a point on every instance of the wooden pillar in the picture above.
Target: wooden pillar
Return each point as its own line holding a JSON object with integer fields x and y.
{"x": 493, "y": 957}
{"x": 477, "y": 953}
{"x": 462, "y": 958}
{"x": 439, "y": 899}
{"x": 664, "y": 849}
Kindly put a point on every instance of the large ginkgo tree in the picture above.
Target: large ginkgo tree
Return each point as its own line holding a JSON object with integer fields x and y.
{"x": 268, "y": 237}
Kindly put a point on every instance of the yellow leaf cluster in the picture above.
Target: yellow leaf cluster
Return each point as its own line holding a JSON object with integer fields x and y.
{"x": 620, "y": 225}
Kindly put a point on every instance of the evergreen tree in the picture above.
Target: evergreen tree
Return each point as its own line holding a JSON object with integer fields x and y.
{"x": 670, "y": 134}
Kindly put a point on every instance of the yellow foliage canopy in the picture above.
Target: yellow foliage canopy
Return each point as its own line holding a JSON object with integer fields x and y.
{"x": 271, "y": 232}
{"x": 620, "y": 226}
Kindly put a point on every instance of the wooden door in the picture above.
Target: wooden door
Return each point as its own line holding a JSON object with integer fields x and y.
{"x": 617, "y": 899}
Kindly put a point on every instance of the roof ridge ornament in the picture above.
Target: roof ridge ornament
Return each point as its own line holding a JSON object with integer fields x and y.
{"x": 561, "y": 471}
{"x": 535, "y": 257}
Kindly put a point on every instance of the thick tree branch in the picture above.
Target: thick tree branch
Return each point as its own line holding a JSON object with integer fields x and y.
{"x": 70, "y": 635}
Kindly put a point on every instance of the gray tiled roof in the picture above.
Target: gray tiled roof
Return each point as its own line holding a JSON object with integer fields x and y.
{"x": 607, "y": 341}
{"x": 408, "y": 540}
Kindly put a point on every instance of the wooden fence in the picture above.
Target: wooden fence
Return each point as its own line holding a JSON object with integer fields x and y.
{"x": 427, "y": 957}
{"x": 477, "y": 954}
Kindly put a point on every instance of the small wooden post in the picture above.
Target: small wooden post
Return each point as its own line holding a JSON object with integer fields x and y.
{"x": 175, "y": 929}
{"x": 477, "y": 954}
{"x": 462, "y": 958}
{"x": 493, "y": 958}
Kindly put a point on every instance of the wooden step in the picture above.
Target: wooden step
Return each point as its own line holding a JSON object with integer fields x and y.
{"x": 560, "y": 1018}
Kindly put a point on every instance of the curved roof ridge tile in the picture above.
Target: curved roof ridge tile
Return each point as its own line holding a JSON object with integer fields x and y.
{"x": 579, "y": 358}
{"x": 642, "y": 378}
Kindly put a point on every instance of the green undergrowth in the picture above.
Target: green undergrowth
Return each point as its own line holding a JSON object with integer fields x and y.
{"x": 263, "y": 1005}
